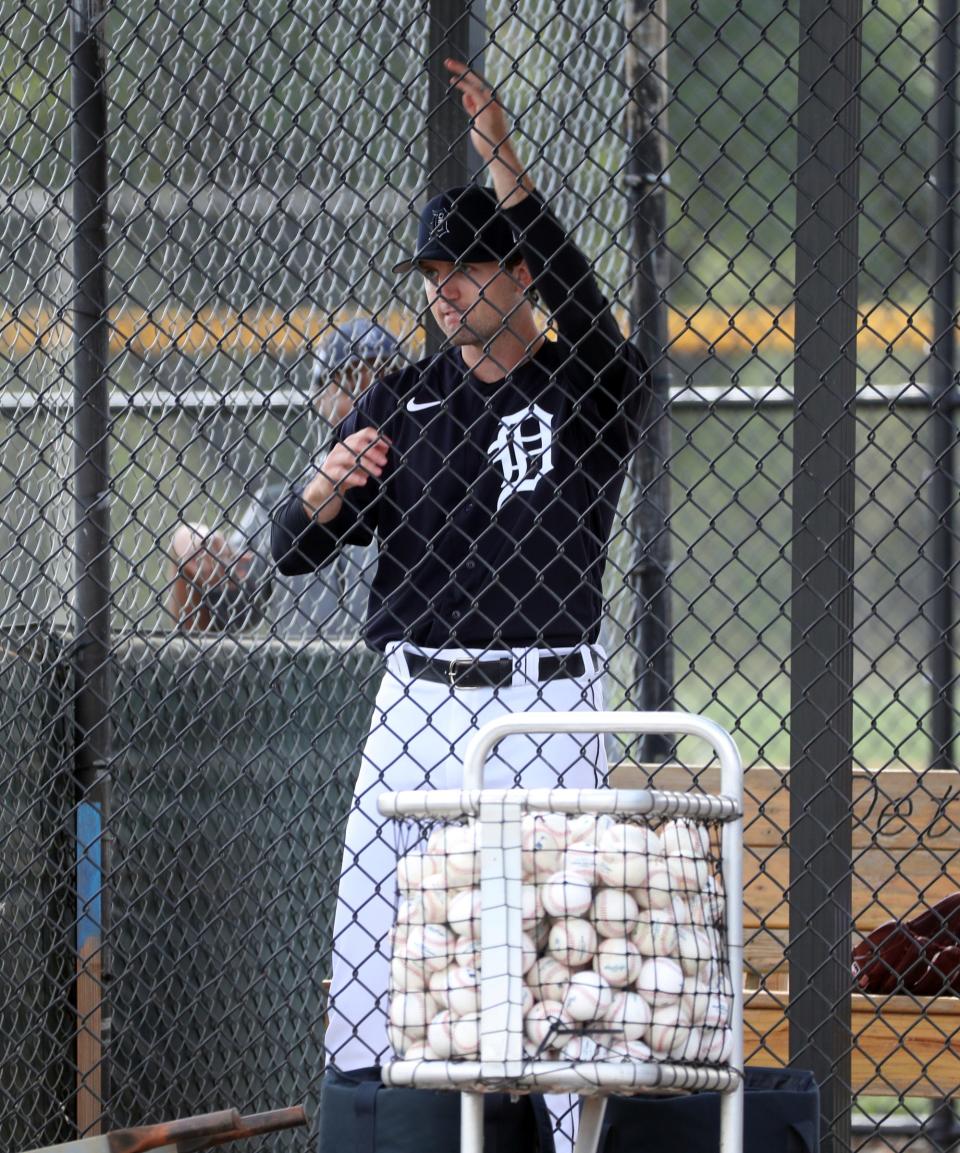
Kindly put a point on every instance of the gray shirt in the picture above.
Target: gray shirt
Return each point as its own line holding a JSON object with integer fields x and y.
{"x": 329, "y": 603}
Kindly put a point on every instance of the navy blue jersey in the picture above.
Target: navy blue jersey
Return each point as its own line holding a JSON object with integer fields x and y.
{"x": 497, "y": 502}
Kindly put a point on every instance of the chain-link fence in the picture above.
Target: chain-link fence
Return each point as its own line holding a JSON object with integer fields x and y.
{"x": 197, "y": 201}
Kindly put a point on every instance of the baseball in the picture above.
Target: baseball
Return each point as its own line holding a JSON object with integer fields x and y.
{"x": 543, "y": 1022}
{"x": 706, "y": 907}
{"x": 623, "y": 856}
{"x": 465, "y": 1036}
{"x": 542, "y": 847}
{"x": 582, "y": 829}
{"x": 580, "y": 1048}
{"x": 715, "y": 975}
{"x": 693, "y": 948}
{"x": 707, "y": 1008}
{"x": 672, "y": 1035}
{"x": 660, "y": 981}
{"x": 463, "y": 913}
{"x": 618, "y": 962}
{"x": 682, "y": 909}
{"x": 532, "y": 900}
{"x": 614, "y": 913}
{"x": 416, "y": 1051}
{"x": 529, "y": 952}
{"x": 466, "y": 952}
{"x": 548, "y": 979}
{"x": 557, "y": 823}
{"x": 399, "y": 1042}
{"x": 425, "y": 906}
{"x": 685, "y": 838}
{"x": 407, "y": 976}
{"x": 637, "y": 1051}
{"x": 412, "y": 1011}
{"x": 439, "y": 986}
{"x": 716, "y": 1045}
{"x": 624, "y": 837}
{"x": 572, "y": 941}
{"x": 411, "y": 871}
{"x": 460, "y": 861}
{"x": 436, "y": 944}
{"x": 689, "y": 908}
{"x": 588, "y": 997}
{"x": 629, "y": 1015}
{"x": 583, "y": 861}
{"x": 440, "y": 1035}
{"x": 567, "y": 895}
{"x": 687, "y": 873}
{"x": 435, "y": 841}
{"x": 463, "y": 991}
{"x": 655, "y": 892}
{"x": 655, "y": 934}
{"x": 716, "y": 942}
{"x": 409, "y": 912}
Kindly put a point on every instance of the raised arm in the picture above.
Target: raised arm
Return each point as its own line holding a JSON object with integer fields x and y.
{"x": 562, "y": 275}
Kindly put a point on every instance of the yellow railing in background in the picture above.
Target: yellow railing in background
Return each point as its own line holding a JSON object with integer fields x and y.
{"x": 287, "y": 334}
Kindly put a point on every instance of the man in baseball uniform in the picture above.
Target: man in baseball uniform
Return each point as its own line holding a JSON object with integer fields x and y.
{"x": 489, "y": 474}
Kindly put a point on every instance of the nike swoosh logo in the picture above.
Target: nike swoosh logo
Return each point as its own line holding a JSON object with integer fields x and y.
{"x": 417, "y": 405}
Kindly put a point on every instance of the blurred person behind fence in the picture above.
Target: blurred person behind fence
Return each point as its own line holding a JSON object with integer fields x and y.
{"x": 223, "y": 580}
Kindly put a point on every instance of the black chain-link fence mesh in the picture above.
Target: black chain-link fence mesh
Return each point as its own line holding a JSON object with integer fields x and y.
{"x": 265, "y": 166}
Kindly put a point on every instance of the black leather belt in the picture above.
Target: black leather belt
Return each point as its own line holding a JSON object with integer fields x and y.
{"x": 480, "y": 674}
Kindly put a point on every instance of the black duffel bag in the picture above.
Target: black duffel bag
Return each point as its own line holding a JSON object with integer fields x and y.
{"x": 781, "y": 1114}
{"x": 358, "y": 1114}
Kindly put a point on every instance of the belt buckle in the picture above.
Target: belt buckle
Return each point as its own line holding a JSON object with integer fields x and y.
{"x": 454, "y": 668}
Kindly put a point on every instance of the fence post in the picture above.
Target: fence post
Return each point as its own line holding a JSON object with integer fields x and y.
{"x": 824, "y": 446}
{"x": 944, "y": 358}
{"x": 91, "y": 546}
{"x": 648, "y": 633}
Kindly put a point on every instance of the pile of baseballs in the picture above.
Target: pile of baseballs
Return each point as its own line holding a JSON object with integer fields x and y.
{"x": 622, "y": 951}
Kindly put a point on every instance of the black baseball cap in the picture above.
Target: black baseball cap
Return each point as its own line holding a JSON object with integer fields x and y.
{"x": 462, "y": 224}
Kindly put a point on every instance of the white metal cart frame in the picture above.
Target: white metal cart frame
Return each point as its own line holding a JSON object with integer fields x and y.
{"x": 502, "y": 1065}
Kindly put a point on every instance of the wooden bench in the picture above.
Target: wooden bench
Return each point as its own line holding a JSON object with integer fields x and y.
{"x": 906, "y": 843}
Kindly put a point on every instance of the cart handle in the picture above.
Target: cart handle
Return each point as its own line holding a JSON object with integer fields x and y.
{"x": 665, "y": 723}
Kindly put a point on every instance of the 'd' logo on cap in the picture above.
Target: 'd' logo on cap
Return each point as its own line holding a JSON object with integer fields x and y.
{"x": 439, "y": 226}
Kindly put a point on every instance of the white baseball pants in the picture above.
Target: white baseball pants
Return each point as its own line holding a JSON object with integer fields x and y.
{"x": 417, "y": 739}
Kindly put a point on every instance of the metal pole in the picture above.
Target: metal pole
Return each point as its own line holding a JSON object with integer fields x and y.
{"x": 943, "y": 435}
{"x": 457, "y": 29}
{"x": 824, "y": 445}
{"x": 649, "y": 631}
{"x": 91, "y": 543}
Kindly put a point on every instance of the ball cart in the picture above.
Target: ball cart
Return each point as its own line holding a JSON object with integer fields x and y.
{"x": 605, "y": 953}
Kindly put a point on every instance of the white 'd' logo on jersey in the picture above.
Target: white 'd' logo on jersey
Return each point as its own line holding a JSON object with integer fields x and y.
{"x": 522, "y": 450}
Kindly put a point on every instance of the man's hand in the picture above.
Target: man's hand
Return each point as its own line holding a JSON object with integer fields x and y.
{"x": 349, "y": 464}
{"x": 490, "y": 134}
{"x": 200, "y": 560}
{"x": 200, "y": 556}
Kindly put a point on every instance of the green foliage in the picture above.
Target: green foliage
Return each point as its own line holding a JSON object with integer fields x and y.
{"x": 733, "y": 74}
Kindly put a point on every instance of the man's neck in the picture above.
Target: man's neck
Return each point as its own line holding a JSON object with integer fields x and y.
{"x": 493, "y": 361}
